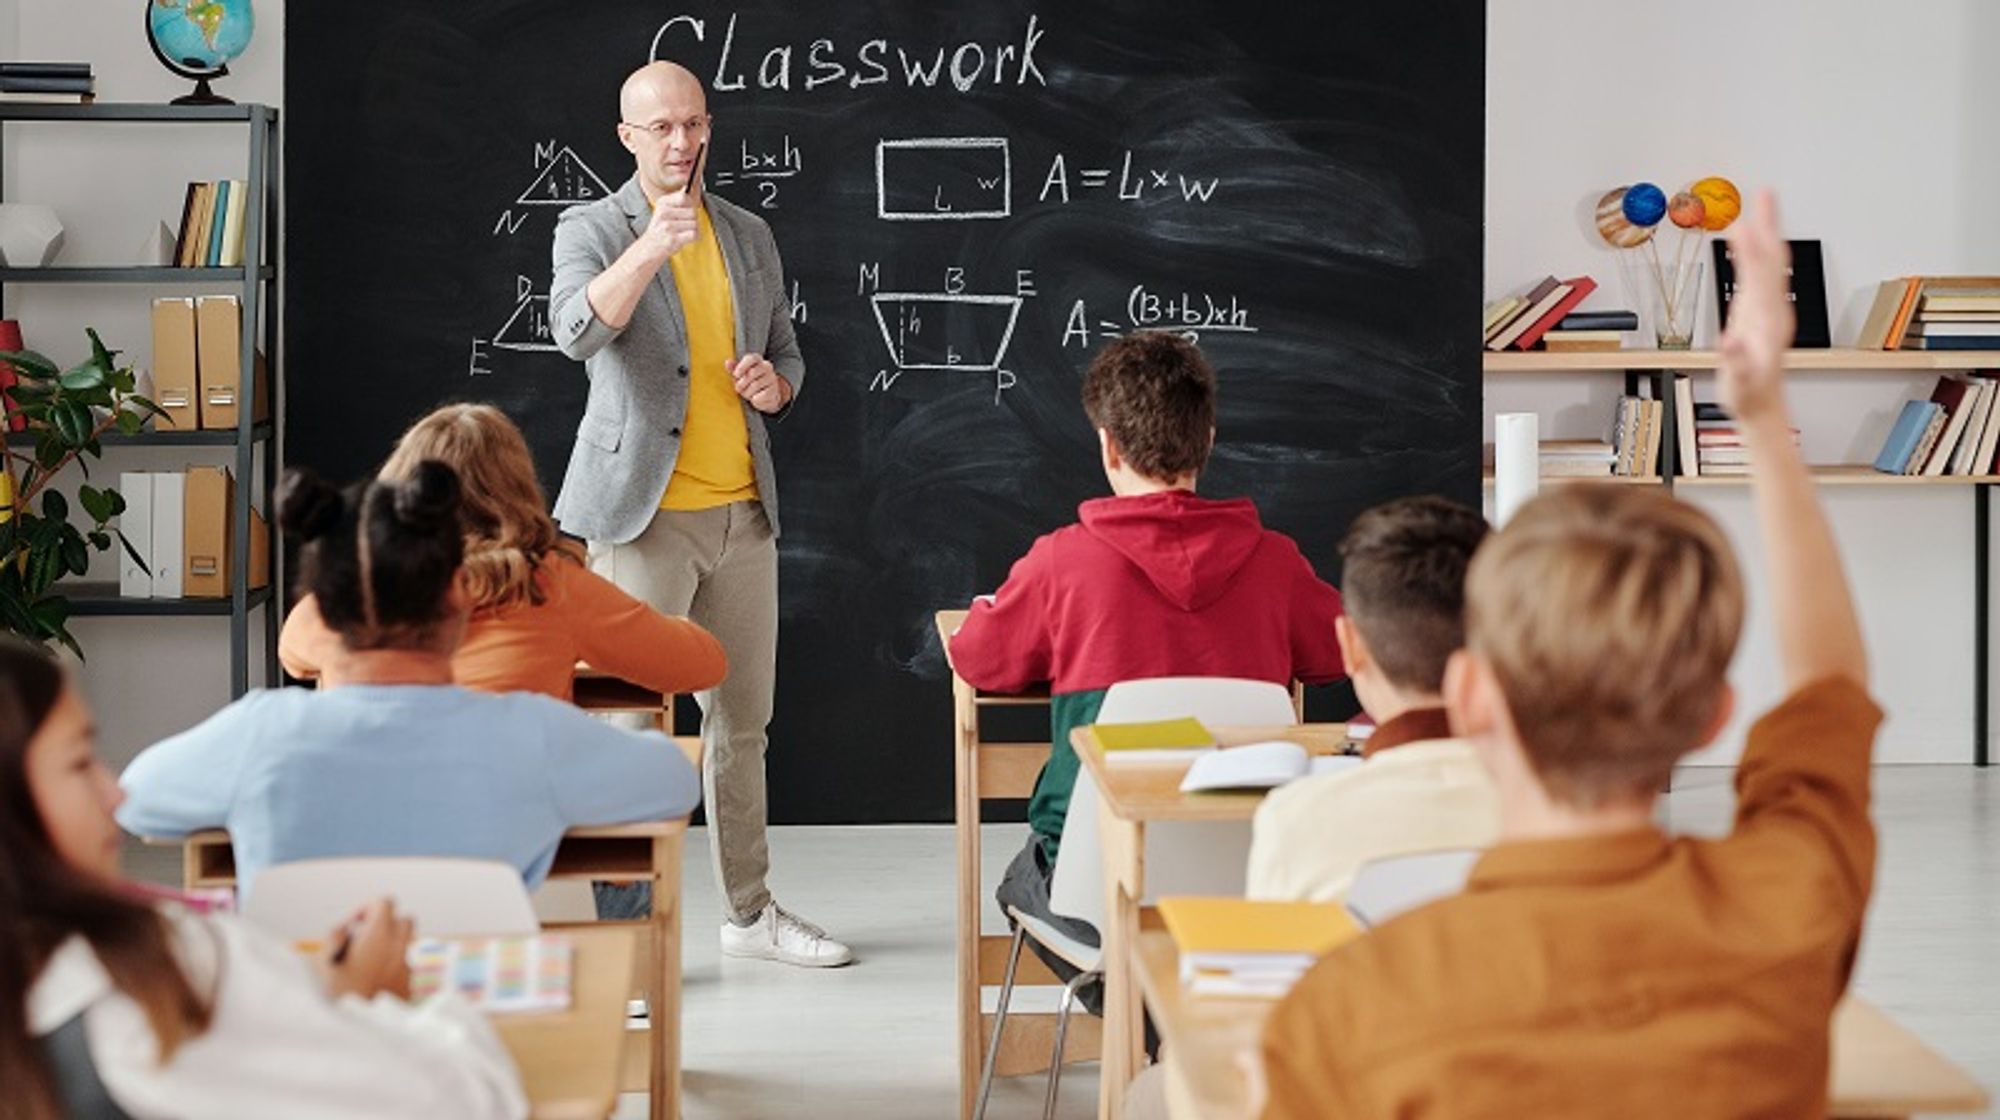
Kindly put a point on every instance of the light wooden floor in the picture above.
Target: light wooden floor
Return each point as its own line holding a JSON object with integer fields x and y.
{"x": 875, "y": 1040}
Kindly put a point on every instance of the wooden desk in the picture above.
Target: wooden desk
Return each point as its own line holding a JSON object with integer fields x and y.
{"x": 600, "y": 693}
{"x": 1130, "y": 796}
{"x": 1879, "y": 1069}
{"x": 569, "y": 1060}
{"x": 644, "y": 851}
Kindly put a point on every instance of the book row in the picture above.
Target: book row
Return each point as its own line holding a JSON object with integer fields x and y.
{"x": 198, "y": 363}
{"x": 178, "y": 535}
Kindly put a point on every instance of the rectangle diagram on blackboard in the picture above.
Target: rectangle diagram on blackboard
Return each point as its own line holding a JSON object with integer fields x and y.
{"x": 935, "y": 330}
{"x": 955, "y": 179}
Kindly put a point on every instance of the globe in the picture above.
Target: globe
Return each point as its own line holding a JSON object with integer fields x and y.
{"x": 196, "y": 39}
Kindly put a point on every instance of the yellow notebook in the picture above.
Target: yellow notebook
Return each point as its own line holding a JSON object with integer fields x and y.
{"x": 1156, "y": 735}
{"x": 1236, "y": 947}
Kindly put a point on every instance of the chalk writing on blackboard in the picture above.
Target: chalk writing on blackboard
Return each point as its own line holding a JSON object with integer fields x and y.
{"x": 944, "y": 179}
{"x": 762, "y": 169}
{"x": 945, "y": 330}
{"x": 528, "y": 327}
{"x": 962, "y": 66}
{"x": 1133, "y": 185}
{"x": 565, "y": 180}
{"x": 1190, "y": 314}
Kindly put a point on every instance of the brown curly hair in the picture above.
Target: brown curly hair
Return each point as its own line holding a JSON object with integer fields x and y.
{"x": 509, "y": 534}
{"x": 1155, "y": 394}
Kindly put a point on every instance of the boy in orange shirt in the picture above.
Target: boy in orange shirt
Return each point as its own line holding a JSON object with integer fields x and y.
{"x": 1595, "y": 965}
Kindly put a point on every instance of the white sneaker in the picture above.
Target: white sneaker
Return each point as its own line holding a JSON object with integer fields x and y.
{"x": 779, "y": 935}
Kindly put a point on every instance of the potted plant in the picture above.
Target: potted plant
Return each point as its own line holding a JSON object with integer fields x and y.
{"x": 55, "y": 417}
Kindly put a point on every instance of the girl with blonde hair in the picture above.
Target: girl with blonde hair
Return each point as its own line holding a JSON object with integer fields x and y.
{"x": 537, "y": 609}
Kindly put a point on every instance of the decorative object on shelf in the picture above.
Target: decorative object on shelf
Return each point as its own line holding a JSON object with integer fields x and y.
{"x": 1516, "y": 459}
{"x": 197, "y": 39}
{"x": 158, "y": 251}
{"x": 1615, "y": 227}
{"x": 30, "y": 234}
{"x": 1808, "y": 292}
{"x": 38, "y": 543}
{"x": 1628, "y": 217}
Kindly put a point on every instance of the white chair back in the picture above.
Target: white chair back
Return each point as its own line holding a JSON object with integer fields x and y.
{"x": 446, "y": 897}
{"x": 1181, "y": 857}
{"x": 1216, "y": 701}
{"x": 1384, "y": 888}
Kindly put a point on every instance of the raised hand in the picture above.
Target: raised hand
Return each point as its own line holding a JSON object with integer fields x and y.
{"x": 1750, "y": 380}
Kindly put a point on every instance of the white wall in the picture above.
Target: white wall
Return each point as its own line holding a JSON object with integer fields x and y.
{"x": 110, "y": 184}
{"x": 1876, "y": 127}
{"x": 1874, "y": 123}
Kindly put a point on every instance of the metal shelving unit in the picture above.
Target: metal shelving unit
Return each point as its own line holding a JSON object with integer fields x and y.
{"x": 259, "y": 291}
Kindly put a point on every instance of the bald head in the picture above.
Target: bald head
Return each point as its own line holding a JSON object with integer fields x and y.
{"x": 663, "y": 122}
{"x": 657, "y": 84}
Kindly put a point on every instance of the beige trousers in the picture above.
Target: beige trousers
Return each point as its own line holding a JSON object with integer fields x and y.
{"x": 719, "y": 567}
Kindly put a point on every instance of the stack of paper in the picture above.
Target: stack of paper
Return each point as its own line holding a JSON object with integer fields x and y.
{"x": 1236, "y": 947}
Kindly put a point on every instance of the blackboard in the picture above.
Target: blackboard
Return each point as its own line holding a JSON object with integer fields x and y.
{"x": 969, "y": 198}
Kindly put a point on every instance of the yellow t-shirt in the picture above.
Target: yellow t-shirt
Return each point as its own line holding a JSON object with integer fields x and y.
{"x": 713, "y": 468}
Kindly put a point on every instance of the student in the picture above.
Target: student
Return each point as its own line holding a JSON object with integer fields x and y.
{"x": 1403, "y": 590}
{"x": 1152, "y": 582}
{"x": 1595, "y": 965}
{"x": 536, "y": 608}
{"x": 397, "y": 760}
{"x": 112, "y": 1005}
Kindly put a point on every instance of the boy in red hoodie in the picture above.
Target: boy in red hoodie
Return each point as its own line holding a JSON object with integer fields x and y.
{"x": 1152, "y": 582}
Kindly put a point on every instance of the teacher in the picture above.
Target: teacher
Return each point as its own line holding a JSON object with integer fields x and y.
{"x": 674, "y": 300}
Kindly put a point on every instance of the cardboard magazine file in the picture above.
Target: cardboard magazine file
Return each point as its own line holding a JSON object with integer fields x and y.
{"x": 206, "y": 536}
{"x": 221, "y": 364}
{"x": 174, "y": 375}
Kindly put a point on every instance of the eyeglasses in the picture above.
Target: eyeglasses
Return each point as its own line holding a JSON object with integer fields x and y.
{"x": 660, "y": 130}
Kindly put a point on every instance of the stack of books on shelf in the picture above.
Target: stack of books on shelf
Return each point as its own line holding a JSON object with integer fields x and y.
{"x": 211, "y": 234}
{"x": 1243, "y": 948}
{"x": 1635, "y": 438}
{"x": 47, "y": 83}
{"x": 1577, "y": 458}
{"x": 1718, "y": 445}
{"x": 1934, "y": 313}
{"x": 1955, "y": 432}
{"x": 1519, "y": 322}
{"x": 1584, "y": 331}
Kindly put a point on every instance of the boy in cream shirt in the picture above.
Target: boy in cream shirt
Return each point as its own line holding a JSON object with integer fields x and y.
{"x": 1420, "y": 790}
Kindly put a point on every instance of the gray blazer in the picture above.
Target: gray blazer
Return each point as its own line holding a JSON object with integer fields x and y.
{"x": 631, "y": 428}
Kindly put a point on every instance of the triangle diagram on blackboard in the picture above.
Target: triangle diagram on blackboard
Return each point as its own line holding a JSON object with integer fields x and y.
{"x": 528, "y": 327}
{"x": 566, "y": 181}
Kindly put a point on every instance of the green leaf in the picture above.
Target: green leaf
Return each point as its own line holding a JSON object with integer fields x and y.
{"x": 116, "y": 501}
{"x": 70, "y": 431}
{"x": 124, "y": 380}
{"x": 95, "y": 502}
{"x": 99, "y": 353}
{"x": 79, "y": 378}
{"x": 55, "y": 507}
{"x": 133, "y": 552}
{"x": 130, "y": 423}
{"x": 100, "y": 540}
{"x": 76, "y": 554}
{"x": 29, "y": 364}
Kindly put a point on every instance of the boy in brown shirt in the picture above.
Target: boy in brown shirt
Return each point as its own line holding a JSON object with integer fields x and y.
{"x": 1595, "y": 965}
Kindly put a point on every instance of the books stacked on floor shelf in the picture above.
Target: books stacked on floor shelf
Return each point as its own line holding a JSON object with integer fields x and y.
{"x": 1934, "y": 313}
{"x": 1719, "y": 449}
{"x": 1519, "y": 322}
{"x": 47, "y": 83}
{"x": 211, "y": 233}
{"x": 1589, "y": 331}
{"x": 1955, "y": 432}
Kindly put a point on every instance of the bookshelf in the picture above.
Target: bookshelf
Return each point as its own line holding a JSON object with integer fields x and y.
{"x": 256, "y": 285}
{"x": 1659, "y": 367}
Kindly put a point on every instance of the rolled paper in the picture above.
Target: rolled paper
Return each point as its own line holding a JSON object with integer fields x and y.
{"x": 1720, "y": 201}
{"x": 1645, "y": 204}
{"x": 1686, "y": 210}
{"x": 1517, "y": 458}
{"x": 1612, "y": 224}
